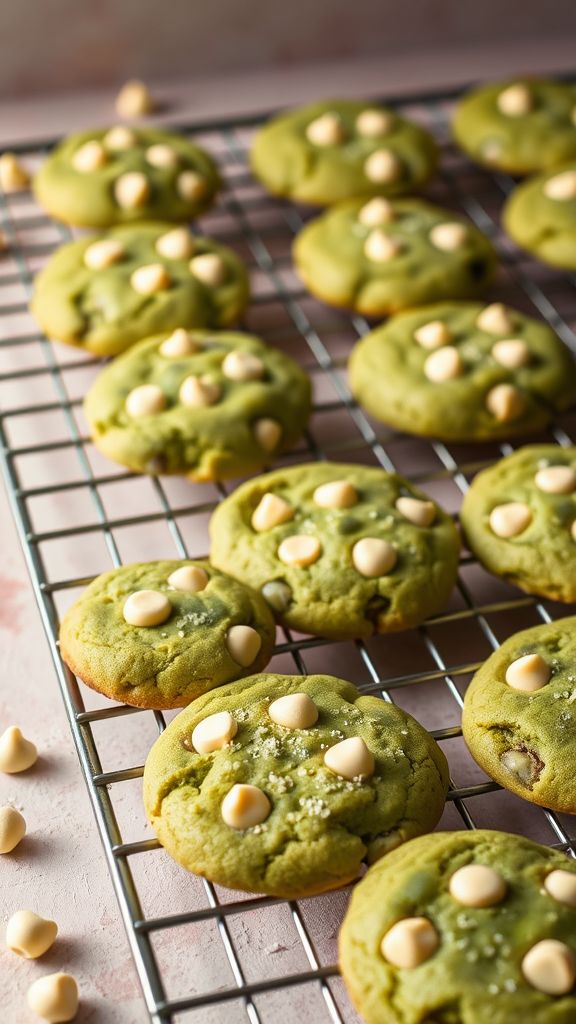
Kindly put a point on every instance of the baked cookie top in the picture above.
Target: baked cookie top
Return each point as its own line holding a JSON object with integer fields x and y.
{"x": 463, "y": 371}
{"x": 158, "y": 634}
{"x": 286, "y": 784}
{"x": 464, "y": 928}
{"x": 519, "y": 517}
{"x": 519, "y": 126}
{"x": 120, "y": 175}
{"x": 105, "y": 292}
{"x": 519, "y": 715}
{"x": 210, "y": 405}
{"x": 540, "y": 215}
{"x": 338, "y": 550}
{"x": 381, "y": 256}
{"x": 333, "y": 150}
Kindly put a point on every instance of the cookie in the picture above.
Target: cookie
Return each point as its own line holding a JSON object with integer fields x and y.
{"x": 338, "y": 550}
{"x": 337, "y": 149}
{"x": 386, "y": 255}
{"x": 159, "y": 634}
{"x": 463, "y": 372}
{"x": 207, "y": 405}
{"x": 464, "y": 928}
{"x": 120, "y": 175}
{"x": 518, "y": 717}
{"x": 106, "y": 292}
{"x": 521, "y": 126}
{"x": 540, "y": 215}
{"x": 285, "y": 785}
{"x": 519, "y": 518}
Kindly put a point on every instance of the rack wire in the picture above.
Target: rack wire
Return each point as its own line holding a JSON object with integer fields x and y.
{"x": 65, "y": 500}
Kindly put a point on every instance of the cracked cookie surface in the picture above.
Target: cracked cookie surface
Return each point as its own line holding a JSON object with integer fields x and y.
{"x": 540, "y": 215}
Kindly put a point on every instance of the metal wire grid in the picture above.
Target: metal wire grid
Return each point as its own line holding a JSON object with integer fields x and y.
{"x": 262, "y": 227}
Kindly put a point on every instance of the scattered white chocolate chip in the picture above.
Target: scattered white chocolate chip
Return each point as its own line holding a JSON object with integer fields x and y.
{"x": 131, "y": 190}
{"x": 89, "y": 157}
{"x": 325, "y": 130}
{"x": 243, "y": 643}
{"x": 150, "y": 279}
{"x": 294, "y": 711}
{"x": 190, "y": 185}
{"x": 29, "y": 935}
{"x": 550, "y": 967}
{"x": 556, "y": 479}
{"x": 512, "y": 353}
{"x": 373, "y": 122}
{"x": 120, "y": 137}
{"x": 520, "y": 764}
{"x": 449, "y": 236}
{"x": 198, "y": 392}
{"x": 54, "y": 998}
{"x": 477, "y": 885}
{"x": 271, "y": 511}
{"x": 13, "y": 176}
{"x": 16, "y": 752}
{"x": 209, "y": 268}
{"x": 145, "y": 400}
{"x": 505, "y": 402}
{"x": 103, "y": 253}
{"x": 410, "y": 942}
{"x": 177, "y": 244}
{"x": 495, "y": 319}
{"x": 510, "y": 519}
{"x": 561, "y": 886}
{"x": 376, "y": 212}
{"x": 443, "y": 364}
{"x": 561, "y": 186}
{"x": 515, "y": 100}
{"x": 161, "y": 156}
{"x": 267, "y": 433}
{"x": 434, "y": 334}
{"x": 300, "y": 550}
{"x": 245, "y": 806}
{"x": 336, "y": 494}
{"x": 528, "y": 673}
{"x": 190, "y": 578}
{"x": 277, "y": 594}
{"x": 134, "y": 99}
{"x": 373, "y": 557}
{"x": 380, "y": 247}
{"x": 351, "y": 759}
{"x": 214, "y": 732}
{"x": 146, "y": 608}
{"x": 178, "y": 344}
{"x": 239, "y": 365}
{"x": 12, "y": 828}
{"x": 421, "y": 513}
{"x": 383, "y": 166}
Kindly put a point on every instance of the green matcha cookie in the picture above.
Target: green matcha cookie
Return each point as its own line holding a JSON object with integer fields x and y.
{"x": 286, "y": 784}
{"x": 338, "y": 149}
{"x": 519, "y": 517}
{"x": 463, "y": 372}
{"x": 158, "y": 634}
{"x": 120, "y": 175}
{"x": 464, "y": 928}
{"x": 382, "y": 256}
{"x": 540, "y": 215}
{"x": 338, "y": 550}
{"x": 207, "y": 405}
{"x": 106, "y": 292}
{"x": 519, "y": 715}
{"x": 521, "y": 126}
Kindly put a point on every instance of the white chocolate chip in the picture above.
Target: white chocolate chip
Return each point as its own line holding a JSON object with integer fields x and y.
{"x": 89, "y": 157}
{"x": 277, "y": 594}
{"x": 16, "y": 752}
{"x": 528, "y": 673}
{"x": 177, "y": 244}
{"x": 267, "y": 433}
{"x": 512, "y": 353}
{"x": 245, "y": 806}
{"x": 556, "y": 479}
{"x": 134, "y": 99}
{"x": 178, "y": 344}
{"x": 239, "y": 365}
{"x": 131, "y": 190}
{"x": 54, "y": 998}
{"x": 199, "y": 392}
{"x": 325, "y": 130}
{"x": 550, "y": 967}
{"x": 421, "y": 513}
{"x": 444, "y": 364}
{"x": 515, "y": 100}
{"x": 433, "y": 335}
{"x": 373, "y": 122}
{"x": 161, "y": 156}
{"x": 150, "y": 279}
{"x": 561, "y": 186}
{"x": 13, "y": 176}
{"x": 119, "y": 138}
{"x": 376, "y": 212}
{"x": 410, "y": 942}
{"x": 189, "y": 578}
{"x": 214, "y": 732}
{"x": 380, "y": 247}
{"x": 449, "y": 236}
{"x": 495, "y": 319}
{"x": 146, "y": 608}
{"x": 271, "y": 511}
{"x": 351, "y": 759}
{"x": 510, "y": 519}
{"x": 209, "y": 268}
{"x": 103, "y": 253}
{"x": 477, "y": 885}
{"x": 383, "y": 166}
{"x": 336, "y": 494}
{"x": 300, "y": 550}
{"x": 373, "y": 557}
{"x": 243, "y": 643}
{"x": 12, "y": 828}
{"x": 520, "y": 764}
{"x": 145, "y": 400}
{"x": 190, "y": 185}
{"x": 29, "y": 935}
{"x": 294, "y": 711}
{"x": 505, "y": 402}
{"x": 561, "y": 886}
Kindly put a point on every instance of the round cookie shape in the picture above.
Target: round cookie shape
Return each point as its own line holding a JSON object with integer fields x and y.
{"x": 336, "y": 149}
{"x": 114, "y": 641}
{"x": 264, "y": 813}
{"x": 518, "y": 717}
{"x": 540, "y": 215}
{"x": 202, "y": 418}
{"x": 419, "y": 254}
{"x": 104, "y": 293}
{"x": 338, "y": 571}
{"x": 521, "y": 126}
{"x": 518, "y": 527}
{"x": 478, "y": 970}
{"x": 95, "y": 179}
{"x": 463, "y": 372}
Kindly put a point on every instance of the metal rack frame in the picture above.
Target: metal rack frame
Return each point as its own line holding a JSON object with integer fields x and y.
{"x": 475, "y": 192}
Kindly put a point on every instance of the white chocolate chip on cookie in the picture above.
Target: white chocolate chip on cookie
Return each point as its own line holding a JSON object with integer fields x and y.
{"x": 13, "y": 176}
{"x": 410, "y": 942}
{"x": 477, "y": 885}
{"x": 550, "y": 967}
{"x": 271, "y": 511}
{"x": 119, "y": 138}
{"x": 325, "y": 130}
{"x": 376, "y": 212}
{"x": 434, "y": 334}
{"x": 54, "y": 998}
{"x": 449, "y": 237}
{"x": 12, "y": 828}
{"x": 383, "y": 166}
{"x": 177, "y": 244}
{"x": 505, "y": 402}
{"x": 510, "y": 520}
{"x": 145, "y": 400}
{"x": 134, "y": 99}
{"x": 561, "y": 186}
{"x": 209, "y": 268}
{"x": 146, "y": 608}
{"x": 245, "y": 806}
{"x": 178, "y": 344}
{"x": 103, "y": 253}
{"x": 372, "y": 122}
{"x": 421, "y": 513}
{"x": 299, "y": 550}
{"x": 443, "y": 364}
{"x": 243, "y": 643}
{"x": 190, "y": 185}
{"x": 515, "y": 100}
{"x": 336, "y": 494}
{"x": 267, "y": 433}
{"x": 380, "y": 248}
{"x": 214, "y": 732}
{"x": 17, "y": 754}
{"x": 150, "y": 279}
{"x": 241, "y": 366}
{"x": 131, "y": 190}
{"x": 556, "y": 479}
{"x": 513, "y": 353}
{"x": 294, "y": 711}
{"x": 189, "y": 578}
{"x": 89, "y": 157}
{"x": 528, "y": 673}
{"x": 29, "y": 935}
{"x": 199, "y": 392}
{"x": 495, "y": 319}
{"x": 351, "y": 759}
{"x": 373, "y": 557}
{"x": 161, "y": 156}
{"x": 561, "y": 886}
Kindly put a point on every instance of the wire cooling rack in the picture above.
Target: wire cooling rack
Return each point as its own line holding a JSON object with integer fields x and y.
{"x": 203, "y": 953}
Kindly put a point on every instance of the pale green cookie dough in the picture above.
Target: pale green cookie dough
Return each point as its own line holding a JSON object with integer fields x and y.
{"x": 475, "y": 964}
{"x": 119, "y": 175}
{"x": 336, "y": 149}
{"x": 105, "y": 309}
{"x": 386, "y": 255}
{"x": 338, "y": 550}
{"x": 519, "y": 715}
{"x": 208, "y": 405}
{"x": 463, "y": 372}
{"x": 540, "y": 215}
{"x": 307, "y": 827}
{"x": 194, "y": 631}
{"x": 519, "y": 520}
